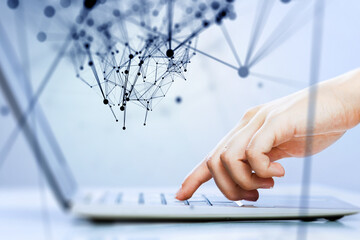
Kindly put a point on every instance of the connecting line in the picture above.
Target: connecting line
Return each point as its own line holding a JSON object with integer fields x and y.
{"x": 192, "y": 48}
{"x": 317, "y": 34}
{"x": 95, "y": 73}
{"x": 170, "y": 18}
{"x": 283, "y": 31}
{"x": 194, "y": 34}
{"x": 263, "y": 13}
{"x": 212, "y": 57}
{"x": 291, "y": 83}
{"x": 230, "y": 43}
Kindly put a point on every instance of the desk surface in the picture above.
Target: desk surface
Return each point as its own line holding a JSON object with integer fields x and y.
{"x": 22, "y": 217}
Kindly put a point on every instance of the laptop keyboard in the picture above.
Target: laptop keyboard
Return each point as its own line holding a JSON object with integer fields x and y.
{"x": 166, "y": 199}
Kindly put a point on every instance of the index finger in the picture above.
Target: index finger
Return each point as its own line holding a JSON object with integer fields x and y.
{"x": 193, "y": 181}
{"x": 201, "y": 173}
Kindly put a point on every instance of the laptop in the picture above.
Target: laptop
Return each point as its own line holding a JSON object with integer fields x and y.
{"x": 149, "y": 204}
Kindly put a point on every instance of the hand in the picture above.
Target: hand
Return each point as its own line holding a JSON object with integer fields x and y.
{"x": 243, "y": 161}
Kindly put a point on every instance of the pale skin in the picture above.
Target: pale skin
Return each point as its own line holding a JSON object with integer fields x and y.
{"x": 245, "y": 159}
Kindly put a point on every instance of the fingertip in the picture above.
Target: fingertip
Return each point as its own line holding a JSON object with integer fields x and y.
{"x": 183, "y": 194}
{"x": 277, "y": 169}
{"x": 252, "y": 196}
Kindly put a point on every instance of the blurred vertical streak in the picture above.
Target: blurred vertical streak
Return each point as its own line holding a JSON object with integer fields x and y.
{"x": 317, "y": 34}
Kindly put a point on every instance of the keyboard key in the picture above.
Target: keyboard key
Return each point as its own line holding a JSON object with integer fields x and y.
{"x": 198, "y": 203}
{"x": 172, "y": 201}
{"x": 152, "y": 199}
{"x": 217, "y": 199}
{"x": 224, "y": 204}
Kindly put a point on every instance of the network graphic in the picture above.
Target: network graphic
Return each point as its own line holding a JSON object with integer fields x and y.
{"x": 131, "y": 52}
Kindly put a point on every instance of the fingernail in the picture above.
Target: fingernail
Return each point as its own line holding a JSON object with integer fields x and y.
{"x": 277, "y": 170}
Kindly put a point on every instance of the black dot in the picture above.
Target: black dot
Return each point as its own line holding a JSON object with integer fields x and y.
{"x": 178, "y": 99}
{"x": 13, "y": 4}
{"x": 243, "y": 72}
{"x": 82, "y": 33}
{"x": 131, "y": 56}
{"x": 91, "y": 63}
{"x": 138, "y": 73}
{"x": 106, "y": 102}
{"x": 198, "y": 14}
{"x": 90, "y": 22}
{"x": 170, "y": 53}
{"x": 202, "y": 7}
{"x": 116, "y": 13}
{"x": 126, "y": 71}
{"x": 49, "y": 11}
{"x": 124, "y": 128}
{"x": 89, "y": 4}
{"x": 215, "y": 5}
{"x": 41, "y": 37}
{"x": 75, "y": 36}
{"x": 65, "y": 3}
{"x": 86, "y": 45}
{"x": 122, "y": 108}
{"x": 127, "y": 99}
{"x": 206, "y": 23}
{"x": 285, "y": 1}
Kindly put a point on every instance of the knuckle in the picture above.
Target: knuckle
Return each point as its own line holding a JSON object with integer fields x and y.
{"x": 251, "y": 112}
{"x": 250, "y": 153}
{"x": 246, "y": 185}
{"x": 225, "y": 157}
{"x": 261, "y": 172}
{"x": 209, "y": 162}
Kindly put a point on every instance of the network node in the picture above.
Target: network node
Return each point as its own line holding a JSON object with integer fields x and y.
{"x": 285, "y": 1}
{"x": 122, "y": 108}
{"x": 65, "y": 3}
{"x": 170, "y": 53}
{"x": 178, "y": 99}
{"x": 116, "y": 13}
{"x": 41, "y": 37}
{"x": 215, "y": 5}
{"x": 89, "y": 4}
{"x": 13, "y": 4}
{"x": 243, "y": 72}
{"x": 106, "y": 102}
{"x": 49, "y": 11}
